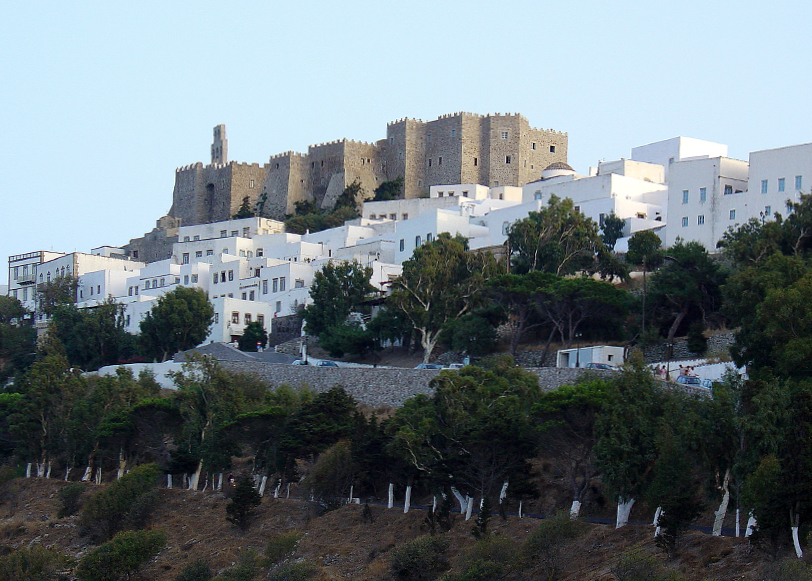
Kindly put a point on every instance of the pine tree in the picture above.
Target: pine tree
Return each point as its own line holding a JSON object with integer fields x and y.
{"x": 240, "y": 510}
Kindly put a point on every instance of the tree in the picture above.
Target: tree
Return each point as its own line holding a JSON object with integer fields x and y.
{"x": 17, "y": 338}
{"x": 612, "y": 230}
{"x": 245, "y": 210}
{"x": 556, "y": 239}
{"x": 688, "y": 286}
{"x": 645, "y": 250}
{"x": 179, "y": 320}
{"x": 241, "y": 509}
{"x": 516, "y": 294}
{"x": 391, "y": 190}
{"x": 337, "y": 290}
{"x": 123, "y": 555}
{"x": 59, "y": 291}
{"x": 442, "y": 281}
{"x": 253, "y": 337}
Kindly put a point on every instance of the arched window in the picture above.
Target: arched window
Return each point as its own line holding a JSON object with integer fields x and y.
{"x": 429, "y": 237}
{"x": 417, "y": 241}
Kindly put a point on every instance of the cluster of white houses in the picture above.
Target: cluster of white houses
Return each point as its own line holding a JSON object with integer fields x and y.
{"x": 252, "y": 270}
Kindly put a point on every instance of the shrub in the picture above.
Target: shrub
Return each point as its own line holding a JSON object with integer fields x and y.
{"x": 634, "y": 566}
{"x": 788, "y": 570}
{"x": 545, "y": 547}
{"x": 196, "y": 571}
{"x": 122, "y": 556}
{"x": 696, "y": 340}
{"x": 245, "y": 570}
{"x": 240, "y": 510}
{"x": 332, "y": 475}
{"x": 299, "y": 571}
{"x": 34, "y": 564}
{"x": 480, "y": 530}
{"x": 493, "y": 557}
{"x": 108, "y": 511}
{"x": 420, "y": 560}
{"x": 140, "y": 514}
{"x": 70, "y": 495}
{"x": 281, "y": 547}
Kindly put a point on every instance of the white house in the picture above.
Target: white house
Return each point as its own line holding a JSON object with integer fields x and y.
{"x": 777, "y": 176}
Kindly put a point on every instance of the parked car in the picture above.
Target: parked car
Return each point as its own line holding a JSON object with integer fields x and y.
{"x": 428, "y": 366}
{"x": 326, "y": 363}
{"x": 300, "y": 362}
{"x": 689, "y": 380}
{"x": 707, "y": 383}
{"x": 599, "y": 366}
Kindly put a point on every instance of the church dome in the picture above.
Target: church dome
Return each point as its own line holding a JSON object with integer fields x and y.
{"x": 557, "y": 169}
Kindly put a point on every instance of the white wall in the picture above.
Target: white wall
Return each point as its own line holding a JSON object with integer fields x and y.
{"x": 770, "y": 165}
{"x": 677, "y": 149}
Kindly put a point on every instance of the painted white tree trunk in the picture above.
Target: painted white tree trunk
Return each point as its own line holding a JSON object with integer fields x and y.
{"x": 169, "y": 481}
{"x": 87, "y": 475}
{"x": 461, "y": 499}
{"x": 288, "y": 491}
{"x": 276, "y": 490}
{"x": 434, "y": 504}
{"x": 624, "y": 509}
{"x": 262, "y": 485}
{"x": 349, "y": 500}
{"x": 657, "y": 518}
{"x": 520, "y": 509}
{"x": 391, "y": 502}
{"x": 220, "y": 482}
{"x": 722, "y": 512}
{"x": 28, "y": 470}
{"x": 48, "y": 469}
{"x": 738, "y": 528}
{"x": 98, "y": 475}
{"x": 67, "y": 473}
{"x": 40, "y": 469}
{"x": 195, "y": 479}
{"x": 503, "y": 492}
{"x": 469, "y": 503}
{"x": 205, "y": 483}
{"x": 575, "y": 509}
{"x": 798, "y": 552}
{"x": 122, "y": 465}
{"x": 751, "y": 524}
{"x": 408, "y": 501}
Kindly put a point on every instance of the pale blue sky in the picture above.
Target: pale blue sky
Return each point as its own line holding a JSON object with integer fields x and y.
{"x": 102, "y": 101}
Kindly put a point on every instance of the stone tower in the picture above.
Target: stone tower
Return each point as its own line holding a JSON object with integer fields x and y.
{"x": 219, "y": 149}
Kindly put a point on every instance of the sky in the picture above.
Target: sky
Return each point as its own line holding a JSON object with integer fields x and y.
{"x": 101, "y": 101}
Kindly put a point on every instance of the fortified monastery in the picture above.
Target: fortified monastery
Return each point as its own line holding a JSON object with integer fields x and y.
{"x": 465, "y": 174}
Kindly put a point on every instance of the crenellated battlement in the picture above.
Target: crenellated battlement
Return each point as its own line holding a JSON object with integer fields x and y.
{"x": 189, "y": 167}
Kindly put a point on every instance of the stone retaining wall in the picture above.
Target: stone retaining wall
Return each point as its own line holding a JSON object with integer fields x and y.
{"x": 378, "y": 386}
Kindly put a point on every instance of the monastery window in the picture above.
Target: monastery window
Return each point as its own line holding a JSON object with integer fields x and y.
{"x": 728, "y": 190}
{"x": 393, "y": 216}
{"x": 312, "y": 164}
{"x": 767, "y": 211}
{"x": 49, "y": 276}
{"x": 504, "y": 135}
{"x": 299, "y": 283}
{"x": 185, "y": 258}
{"x": 440, "y": 160}
{"x": 419, "y": 183}
{"x": 417, "y": 241}
{"x": 684, "y": 221}
{"x": 402, "y": 245}
{"x": 700, "y": 220}
{"x": 249, "y": 254}
{"x": 260, "y": 252}
{"x": 223, "y": 233}
{"x": 322, "y": 163}
{"x": 453, "y": 133}
{"x": 177, "y": 280}
{"x": 281, "y": 284}
{"x": 278, "y": 307}
{"x": 428, "y": 237}
{"x": 16, "y": 272}
{"x": 684, "y": 196}
{"x": 537, "y": 195}
{"x": 277, "y": 166}
{"x": 391, "y": 140}
{"x": 136, "y": 291}
{"x": 199, "y": 254}
{"x": 235, "y": 232}
{"x": 215, "y": 278}
{"x": 130, "y": 291}
{"x": 265, "y": 287}
{"x": 194, "y": 278}
{"x": 230, "y": 295}
{"x": 244, "y": 296}
{"x": 235, "y": 317}
{"x": 245, "y": 232}
{"x": 507, "y": 159}
{"x": 798, "y": 182}
{"x": 533, "y": 146}
{"x": 428, "y": 137}
{"x": 251, "y": 183}
{"x": 186, "y": 239}
{"x": 405, "y": 217}
{"x": 210, "y": 252}
{"x": 372, "y": 216}
{"x": 135, "y": 254}
{"x": 230, "y": 275}
{"x": 196, "y": 238}
{"x": 186, "y": 279}
{"x": 242, "y": 252}
{"x": 764, "y": 184}
{"x": 703, "y": 194}
{"x": 216, "y": 317}
{"x": 429, "y": 162}
{"x": 362, "y": 161}
{"x": 781, "y": 184}
{"x": 275, "y": 285}
{"x": 505, "y": 228}
{"x": 552, "y": 149}
{"x": 261, "y": 320}
{"x": 163, "y": 280}
{"x": 465, "y": 193}
{"x": 732, "y": 214}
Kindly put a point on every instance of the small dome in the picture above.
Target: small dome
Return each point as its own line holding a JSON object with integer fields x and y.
{"x": 557, "y": 169}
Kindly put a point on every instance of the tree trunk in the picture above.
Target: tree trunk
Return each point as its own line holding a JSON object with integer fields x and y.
{"x": 461, "y": 499}
{"x": 262, "y": 486}
{"x": 657, "y": 517}
{"x": 794, "y": 518}
{"x": 98, "y": 475}
{"x": 428, "y": 341}
{"x": 195, "y": 479}
{"x": 503, "y": 492}
{"x": 122, "y": 464}
{"x": 220, "y": 482}
{"x": 28, "y": 470}
{"x": 408, "y": 499}
{"x": 88, "y": 475}
{"x": 675, "y": 325}
{"x": 623, "y": 511}
{"x": 67, "y": 473}
{"x": 575, "y": 509}
{"x": 469, "y": 507}
{"x": 391, "y": 502}
{"x": 48, "y": 469}
{"x": 40, "y": 469}
{"x": 169, "y": 481}
{"x": 722, "y": 512}
{"x": 520, "y": 509}
{"x": 738, "y": 531}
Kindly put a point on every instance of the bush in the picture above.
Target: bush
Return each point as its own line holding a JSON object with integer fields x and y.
{"x": 281, "y": 547}
{"x": 34, "y": 564}
{"x": 332, "y": 475}
{"x": 493, "y": 557}
{"x": 696, "y": 340}
{"x": 122, "y": 556}
{"x": 545, "y": 547}
{"x": 788, "y": 570}
{"x": 245, "y": 570}
{"x": 422, "y": 559}
{"x": 70, "y": 495}
{"x": 634, "y": 566}
{"x": 299, "y": 571}
{"x": 240, "y": 510}
{"x": 109, "y": 510}
{"x": 197, "y": 571}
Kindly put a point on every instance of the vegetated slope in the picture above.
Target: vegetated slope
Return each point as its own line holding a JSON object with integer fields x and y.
{"x": 342, "y": 544}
